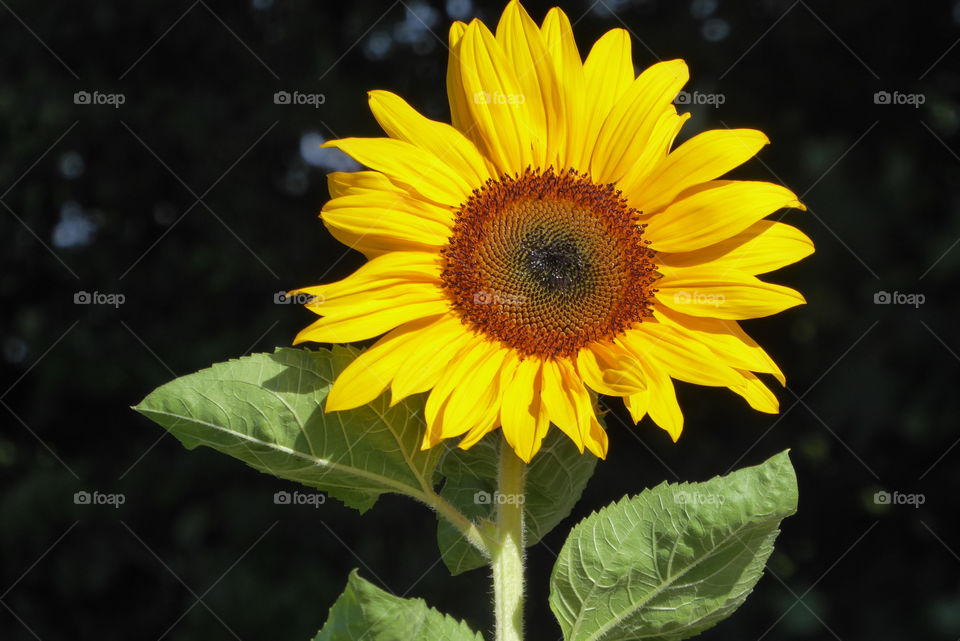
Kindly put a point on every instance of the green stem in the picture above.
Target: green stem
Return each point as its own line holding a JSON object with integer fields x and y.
{"x": 467, "y": 528}
{"x": 506, "y": 548}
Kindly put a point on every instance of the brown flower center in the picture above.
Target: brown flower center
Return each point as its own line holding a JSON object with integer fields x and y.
{"x": 547, "y": 263}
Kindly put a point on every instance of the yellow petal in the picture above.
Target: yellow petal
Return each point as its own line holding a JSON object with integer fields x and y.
{"x": 410, "y": 166}
{"x": 725, "y": 338}
{"x": 459, "y": 113}
{"x": 714, "y": 212}
{"x": 597, "y": 440}
{"x": 521, "y": 407}
{"x": 401, "y": 121}
{"x": 435, "y": 351}
{"x": 524, "y": 48}
{"x": 560, "y": 405}
{"x": 763, "y": 247}
{"x": 468, "y": 361}
{"x": 684, "y": 359}
{"x": 488, "y": 422}
{"x": 661, "y": 400}
{"x": 608, "y": 73}
{"x": 369, "y": 213}
{"x": 490, "y": 417}
{"x": 727, "y": 294}
{"x": 704, "y": 157}
{"x": 636, "y": 404}
{"x": 566, "y": 145}
{"x": 631, "y": 122}
{"x": 395, "y": 202}
{"x": 371, "y": 372}
{"x": 591, "y": 371}
{"x": 648, "y": 157}
{"x": 756, "y": 394}
{"x": 495, "y": 101}
{"x": 473, "y": 401}
{"x": 590, "y": 432}
{"x": 383, "y": 272}
{"x": 355, "y": 183}
{"x": 372, "y": 245}
{"x": 369, "y": 317}
{"x": 384, "y": 220}
{"x": 608, "y": 370}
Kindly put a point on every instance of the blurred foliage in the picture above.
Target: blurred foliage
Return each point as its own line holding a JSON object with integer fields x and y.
{"x": 196, "y": 200}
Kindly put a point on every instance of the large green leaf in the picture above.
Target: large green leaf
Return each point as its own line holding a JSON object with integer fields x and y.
{"x": 366, "y": 613}
{"x": 267, "y": 411}
{"x": 555, "y": 481}
{"x": 673, "y": 561}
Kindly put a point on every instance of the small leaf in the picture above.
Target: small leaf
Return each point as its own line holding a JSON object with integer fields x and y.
{"x": 366, "y": 612}
{"x": 555, "y": 481}
{"x": 673, "y": 561}
{"x": 267, "y": 411}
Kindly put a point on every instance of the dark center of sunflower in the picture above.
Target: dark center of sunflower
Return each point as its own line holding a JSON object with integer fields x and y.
{"x": 555, "y": 263}
{"x": 547, "y": 263}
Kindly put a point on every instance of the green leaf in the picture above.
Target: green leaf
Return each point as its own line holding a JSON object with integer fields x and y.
{"x": 673, "y": 561}
{"x": 555, "y": 481}
{"x": 366, "y": 612}
{"x": 267, "y": 411}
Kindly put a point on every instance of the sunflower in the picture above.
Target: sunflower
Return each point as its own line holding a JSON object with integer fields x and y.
{"x": 551, "y": 245}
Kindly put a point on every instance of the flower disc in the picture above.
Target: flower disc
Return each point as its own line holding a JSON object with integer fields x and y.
{"x": 547, "y": 263}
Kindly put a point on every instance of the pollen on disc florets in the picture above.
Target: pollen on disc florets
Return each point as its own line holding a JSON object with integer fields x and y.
{"x": 548, "y": 262}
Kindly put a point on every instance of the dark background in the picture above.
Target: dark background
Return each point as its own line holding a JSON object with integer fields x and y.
{"x": 197, "y": 198}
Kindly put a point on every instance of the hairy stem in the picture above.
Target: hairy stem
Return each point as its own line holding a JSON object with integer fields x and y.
{"x": 506, "y": 548}
{"x": 467, "y": 528}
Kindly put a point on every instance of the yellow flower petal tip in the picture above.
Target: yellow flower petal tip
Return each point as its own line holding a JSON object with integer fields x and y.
{"x": 550, "y": 244}
{"x": 302, "y": 337}
{"x": 337, "y": 403}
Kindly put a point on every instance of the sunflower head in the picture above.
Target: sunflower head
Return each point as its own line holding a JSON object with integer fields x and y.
{"x": 551, "y": 244}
